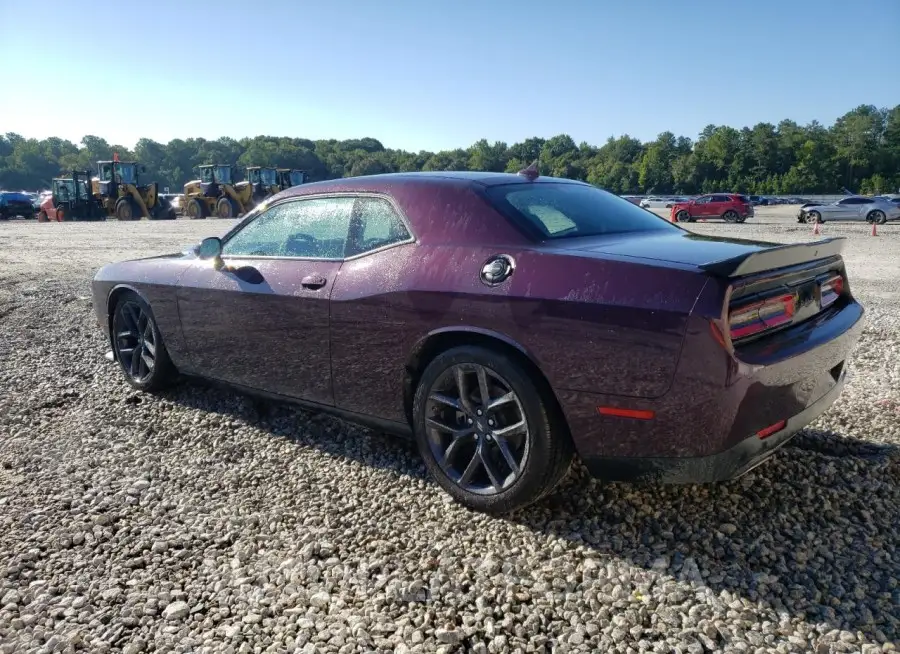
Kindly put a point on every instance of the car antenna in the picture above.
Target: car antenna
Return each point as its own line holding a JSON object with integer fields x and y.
{"x": 531, "y": 173}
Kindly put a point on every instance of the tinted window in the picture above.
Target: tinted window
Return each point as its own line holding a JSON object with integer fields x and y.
{"x": 720, "y": 198}
{"x": 852, "y": 201}
{"x": 378, "y": 225}
{"x": 703, "y": 199}
{"x": 550, "y": 210}
{"x": 315, "y": 228}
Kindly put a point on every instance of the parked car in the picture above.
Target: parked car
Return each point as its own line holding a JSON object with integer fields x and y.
{"x": 758, "y": 200}
{"x": 633, "y": 199}
{"x": 855, "y": 207}
{"x": 15, "y": 205}
{"x": 730, "y": 207}
{"x": 175, "y": 201}
{"x": 661, "y": 202}
{"x": 508, "y": 322}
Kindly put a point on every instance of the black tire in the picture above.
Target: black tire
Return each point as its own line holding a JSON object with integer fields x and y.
{"x": 163, "y": 371}
{"x": 195, "y": 209}
{"x": 126, "y": 209}
{"x": 876, "y": 216}
{"x": 814, "y": 217}
{"x": 162, "y": 210}
{"x": 549, "y": 452}
{"x": 226, "y": 208}
{"x": 730, "y": 216}
{"x": 683, "y": 217}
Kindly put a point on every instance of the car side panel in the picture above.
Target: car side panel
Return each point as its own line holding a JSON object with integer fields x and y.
{"x": 589, "y": 324}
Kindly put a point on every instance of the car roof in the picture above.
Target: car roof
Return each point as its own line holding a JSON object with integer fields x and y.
{"x": 441, "y": 178}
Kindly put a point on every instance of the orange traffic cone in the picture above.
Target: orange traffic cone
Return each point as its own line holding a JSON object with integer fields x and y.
{"x": 672, "y": 215}
{"x": 874, "y": 231}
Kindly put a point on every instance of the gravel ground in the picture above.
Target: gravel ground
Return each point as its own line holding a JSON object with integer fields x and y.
{"x": 202, "y": 521}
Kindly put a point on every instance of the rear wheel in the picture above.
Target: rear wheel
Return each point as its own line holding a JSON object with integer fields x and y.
{"x": 877, "y": 216}
{"x": 488, "y": 434}
{"x": 730, "y": 216}
{"x": 138, "y": 345}
{"x": 683, "y": 217}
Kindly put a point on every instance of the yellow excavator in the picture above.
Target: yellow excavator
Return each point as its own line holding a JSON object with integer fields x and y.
{"x": 216, "y": 193}
{"x": 118, "y": 189}
{"x": 265, "y": 182}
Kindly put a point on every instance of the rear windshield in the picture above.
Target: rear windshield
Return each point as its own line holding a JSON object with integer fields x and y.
{"x": 549, "y": 210}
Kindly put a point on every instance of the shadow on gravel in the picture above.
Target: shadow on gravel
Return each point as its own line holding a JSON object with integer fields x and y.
{"x": 812, "y": 535}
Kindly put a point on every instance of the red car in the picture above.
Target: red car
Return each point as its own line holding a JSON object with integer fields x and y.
{"x": 730, "y": 207}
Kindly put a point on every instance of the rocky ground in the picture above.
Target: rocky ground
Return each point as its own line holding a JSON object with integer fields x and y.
{"x": 201, "y": 521}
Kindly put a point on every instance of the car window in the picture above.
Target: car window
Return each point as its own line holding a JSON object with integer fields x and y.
{"x": 379, "y": 225}
{"x": 703, "y": 199}
{"x": 865, "y": 201}
{"x": 720, "y": 198}
{"x": 314, "y": 228}
{"x": 562, "y": 210}
{"x": 849, "y": 201}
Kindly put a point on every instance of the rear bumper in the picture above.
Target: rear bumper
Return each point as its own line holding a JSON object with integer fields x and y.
{"x": 723, "y": 466}
{"x": 705, "y": 427}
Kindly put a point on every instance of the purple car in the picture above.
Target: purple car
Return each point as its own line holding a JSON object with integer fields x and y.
{"x": 507, "y": 322}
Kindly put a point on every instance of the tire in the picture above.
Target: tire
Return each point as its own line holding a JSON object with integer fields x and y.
{"x": 133, "y": 316}
{"x": 683, "y": 217}
{"x": 877, "y": 216}
{"x": 226, "y": 208}
{"x": 195, "y": 209}
{"x": 814, "y": 217}
{"x": 543, "y": 454}
{"x": 125, "y": 209}
{"x": 730, "y": 216}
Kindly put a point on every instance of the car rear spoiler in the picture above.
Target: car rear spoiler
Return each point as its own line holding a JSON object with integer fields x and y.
{"x": 780, "y": 256}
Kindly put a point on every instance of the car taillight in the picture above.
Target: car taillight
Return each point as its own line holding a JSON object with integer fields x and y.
{"x": 761, "y": 316}
{"x": 830, "y": 290}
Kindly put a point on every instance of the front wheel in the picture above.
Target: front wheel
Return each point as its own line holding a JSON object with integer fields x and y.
{"x": 226, "y": 208}
{"x": 683, "y": 217}
{"x": 814, "y": 217}
{"x": 877, "y": 216}
{"x": 138, "y": 345}
{"x": 125, "y": 209}
{"x": 489, "y": 435}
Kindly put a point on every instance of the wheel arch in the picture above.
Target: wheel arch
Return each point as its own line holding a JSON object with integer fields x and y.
{"x": 443, "y": 339}
{"x": 112, "y": 299}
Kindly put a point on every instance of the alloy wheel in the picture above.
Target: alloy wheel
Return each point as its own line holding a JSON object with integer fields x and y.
{"x": 477, "y": 429}
{"x": 135, "y": 341}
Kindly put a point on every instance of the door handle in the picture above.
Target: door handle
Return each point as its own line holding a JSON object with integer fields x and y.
{"x": 313, "y": 282}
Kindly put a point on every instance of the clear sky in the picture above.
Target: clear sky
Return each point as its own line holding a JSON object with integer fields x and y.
{"x": 438, "y": 74}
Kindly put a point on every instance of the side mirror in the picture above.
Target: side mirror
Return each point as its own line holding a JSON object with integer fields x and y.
{"x": 210, "y": 248}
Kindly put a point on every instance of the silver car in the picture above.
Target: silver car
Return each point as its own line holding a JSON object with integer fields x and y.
{"x": 854, "y": 207}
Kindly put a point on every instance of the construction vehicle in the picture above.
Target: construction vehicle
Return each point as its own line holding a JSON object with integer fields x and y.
{"x": 288, "y": 177}
{"x": 71, "y": 199}
{"x": 119, "y": 190}
{"x": 216, "y": 193}
{"x": 264, "y": 181}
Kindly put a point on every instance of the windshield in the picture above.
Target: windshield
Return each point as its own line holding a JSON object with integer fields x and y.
{"x": 269, "y": 176}
{"x": 550, "y": 210}
{"x": 127, "y": 173}
{"x": 223, "y": 174}
{"x": 105, "y": 172}
{"x": 297, "y": 177}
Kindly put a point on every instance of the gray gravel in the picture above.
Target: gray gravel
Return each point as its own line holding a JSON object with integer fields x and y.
{"x": 202, "y": 521}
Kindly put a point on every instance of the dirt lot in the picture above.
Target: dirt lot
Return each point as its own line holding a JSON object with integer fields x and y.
{"x": 198, "y": 520}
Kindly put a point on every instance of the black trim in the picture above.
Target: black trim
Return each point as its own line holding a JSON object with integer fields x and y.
{"x": 723, "y": 466}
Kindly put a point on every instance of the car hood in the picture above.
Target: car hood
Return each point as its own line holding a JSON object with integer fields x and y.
{"x": 671, "y": 247}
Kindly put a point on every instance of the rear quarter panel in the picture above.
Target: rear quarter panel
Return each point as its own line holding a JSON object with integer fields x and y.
{"x": 603, "y": 326}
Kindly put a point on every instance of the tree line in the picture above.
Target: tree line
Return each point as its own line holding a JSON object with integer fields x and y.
{"x": 860, "y": 151}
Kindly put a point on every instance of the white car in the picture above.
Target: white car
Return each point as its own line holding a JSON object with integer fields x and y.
{"x": 655, "y": 202}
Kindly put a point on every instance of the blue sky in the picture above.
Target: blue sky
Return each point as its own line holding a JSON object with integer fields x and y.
{"x": 438, "y": 74}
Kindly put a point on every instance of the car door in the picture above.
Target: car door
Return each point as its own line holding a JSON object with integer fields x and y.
{"x": 259, "y": 317}
{"x": 700, "y": 206}
{"x": 862, "y": 206}
{"x": 718, "y": 204}
{"x": 845, "y": 209}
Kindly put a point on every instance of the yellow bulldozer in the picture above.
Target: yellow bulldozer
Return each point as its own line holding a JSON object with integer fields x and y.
{"x": 118, "y": 189}
{"x": 265, "y": 182}
{"x": 216, "y": 193}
